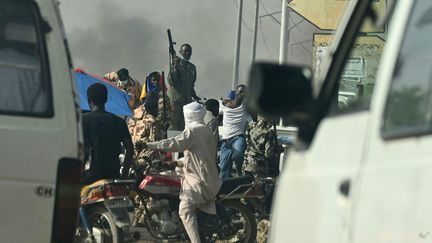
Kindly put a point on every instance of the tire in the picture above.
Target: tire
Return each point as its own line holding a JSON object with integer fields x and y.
{"x": 100, "y": 217}
{"x": 250, "y": 226}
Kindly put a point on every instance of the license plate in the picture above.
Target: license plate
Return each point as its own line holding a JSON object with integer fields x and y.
{"x": 119, "y": 203}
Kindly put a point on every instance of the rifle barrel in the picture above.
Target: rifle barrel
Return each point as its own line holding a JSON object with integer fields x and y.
{"x": 169, "y": 36}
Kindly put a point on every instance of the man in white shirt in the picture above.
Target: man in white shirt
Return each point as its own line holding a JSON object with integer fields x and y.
{"x": 233, "y": 133}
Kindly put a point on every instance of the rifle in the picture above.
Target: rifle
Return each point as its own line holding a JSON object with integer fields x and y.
{"x": 171, "y": 49}
{"x": 163, "y": 99}
{"x": 172, "y": 56}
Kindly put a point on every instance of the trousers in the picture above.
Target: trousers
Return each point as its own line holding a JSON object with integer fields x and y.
{"x": 187, "y": 213}
{"x": 232, "y": 150}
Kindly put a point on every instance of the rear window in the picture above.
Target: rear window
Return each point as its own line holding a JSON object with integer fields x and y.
{"x": 25, "y": 87}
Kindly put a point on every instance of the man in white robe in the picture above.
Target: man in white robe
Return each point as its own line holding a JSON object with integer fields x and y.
{"x": 201, "y": 181}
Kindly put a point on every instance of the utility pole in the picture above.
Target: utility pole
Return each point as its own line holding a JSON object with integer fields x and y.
{"x": 237, "y": 47}
{"x": 283, "y": 47}
{"x": 254, "y": 39}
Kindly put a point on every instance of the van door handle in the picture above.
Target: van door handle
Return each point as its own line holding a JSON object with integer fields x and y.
{"x": 344, "y": 187}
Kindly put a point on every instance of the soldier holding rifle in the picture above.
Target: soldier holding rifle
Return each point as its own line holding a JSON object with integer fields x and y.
{"x": 182, "y": 77}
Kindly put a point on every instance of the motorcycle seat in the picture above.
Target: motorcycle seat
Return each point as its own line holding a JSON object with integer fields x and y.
{"x": 86, "y": 189}
{"x": 229, "y": 184}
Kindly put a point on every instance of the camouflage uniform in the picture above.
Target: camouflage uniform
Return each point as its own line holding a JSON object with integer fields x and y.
{"x": 132, "y": 88}
{"x": 182, "y": 79}
{"x": 261, "y": 147}
{"x": 164, "y": 116}
{"x": 142, "y": 127}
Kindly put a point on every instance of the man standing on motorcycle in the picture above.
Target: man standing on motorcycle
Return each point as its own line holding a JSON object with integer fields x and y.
{"x": 103, "y": 134}
{"x": 201, "y": 181}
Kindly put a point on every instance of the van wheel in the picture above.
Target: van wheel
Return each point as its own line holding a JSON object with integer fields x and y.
{"x": 101, "y": 220}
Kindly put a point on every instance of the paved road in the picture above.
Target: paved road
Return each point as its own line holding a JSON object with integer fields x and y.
{"x": 262, "y": 229}
{"x": 146, "y": 237}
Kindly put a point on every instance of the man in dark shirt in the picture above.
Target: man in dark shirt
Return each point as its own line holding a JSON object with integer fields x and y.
{"x": 182, "y": 77}
{"x": 103, "y": 134}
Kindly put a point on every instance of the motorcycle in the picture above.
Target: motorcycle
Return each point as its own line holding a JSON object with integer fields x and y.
{"x": 104, "y": 215}
{"x": 260, "y": 198}
{"x": 157, "y": 195}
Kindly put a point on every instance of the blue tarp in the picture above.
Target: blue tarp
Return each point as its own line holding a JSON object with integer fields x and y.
{"x": 117, "y": 99}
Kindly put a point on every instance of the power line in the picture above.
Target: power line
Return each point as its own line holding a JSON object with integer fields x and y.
{"x": 265, "y": 42}
{"x": 303, "y": 41}
{"x": 264, "y": 7}
{"x": 269, "y": 14}
{"x": 304, "y": 48}
{"x": 296, "y": 25}
{"x": 243, "y": 21}
{"x": 272, "y": 17}
{"x": 300, "y": 43}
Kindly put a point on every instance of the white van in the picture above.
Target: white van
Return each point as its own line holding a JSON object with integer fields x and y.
{"x": 40, "y": 137}
{"x": 362, "y": 172}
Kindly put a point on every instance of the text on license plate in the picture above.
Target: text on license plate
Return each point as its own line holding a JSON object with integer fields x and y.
{"x": 118, "y": 203}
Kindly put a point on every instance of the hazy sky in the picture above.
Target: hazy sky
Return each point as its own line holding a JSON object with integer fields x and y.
{"x": 105, "y": 35}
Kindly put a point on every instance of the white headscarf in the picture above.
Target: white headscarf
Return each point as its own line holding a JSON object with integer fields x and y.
{"x": 193, "y": 114}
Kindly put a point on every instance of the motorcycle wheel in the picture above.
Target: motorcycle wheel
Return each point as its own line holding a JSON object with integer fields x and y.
{"x": 100, "y": 218}
{"x": 240, "y": 215}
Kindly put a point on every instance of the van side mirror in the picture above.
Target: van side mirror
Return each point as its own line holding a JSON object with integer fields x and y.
{"x": 279, "y": 90}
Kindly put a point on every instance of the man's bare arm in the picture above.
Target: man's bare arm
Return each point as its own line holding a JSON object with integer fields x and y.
{"x": 229, "y": 103}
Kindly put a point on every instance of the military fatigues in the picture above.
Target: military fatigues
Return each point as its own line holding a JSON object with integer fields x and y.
{"x": 182, "y": 79}
{"x": 132, "y": 88}
{"x": 164, "y": 116}
{"x": 142, "y": 127}
{"x": 261, "y": 148}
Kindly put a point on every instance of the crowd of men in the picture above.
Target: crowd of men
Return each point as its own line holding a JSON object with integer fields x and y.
{"x": 250, "y": 146}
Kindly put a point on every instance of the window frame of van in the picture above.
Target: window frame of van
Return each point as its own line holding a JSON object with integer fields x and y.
{"x": 409, "y": 132}
{"x": 359, "y": 105}
{"x": 340, "y": 47}
{"x": 41, "y": 27}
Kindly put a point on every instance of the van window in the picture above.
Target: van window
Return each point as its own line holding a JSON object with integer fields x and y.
{"x": 408, "y": 109}
{"x": 358, "y": 77}
{"x": 24, "y": 75}
{"x": 357, "y": 80}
